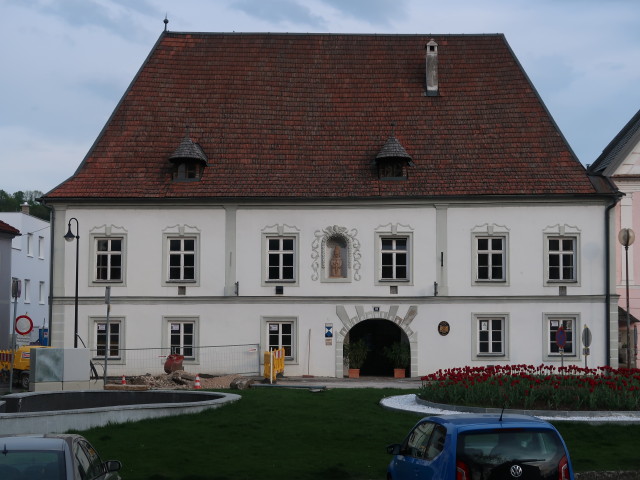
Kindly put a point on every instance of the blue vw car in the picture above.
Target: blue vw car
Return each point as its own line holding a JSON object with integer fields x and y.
{"x": 481, "y": 447}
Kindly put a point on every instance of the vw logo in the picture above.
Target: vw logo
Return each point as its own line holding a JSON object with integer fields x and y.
{"x": 516, "y": 471}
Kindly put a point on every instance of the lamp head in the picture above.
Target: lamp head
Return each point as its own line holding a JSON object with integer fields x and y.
{"x": 69, "y": 236}
{"x": 626, "y": 237}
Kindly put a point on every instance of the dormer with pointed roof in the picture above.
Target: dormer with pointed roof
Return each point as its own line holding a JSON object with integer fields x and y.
{"x": 189, "y": 160}
{"x": 392, "y": 161}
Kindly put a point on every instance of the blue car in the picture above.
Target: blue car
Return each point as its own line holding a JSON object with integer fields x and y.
{"x": 481, "y": 447}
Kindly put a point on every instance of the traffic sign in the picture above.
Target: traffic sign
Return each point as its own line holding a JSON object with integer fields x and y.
{"x": 24, "y": 325}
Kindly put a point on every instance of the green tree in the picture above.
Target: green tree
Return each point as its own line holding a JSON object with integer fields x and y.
{"x": 12, "y": 203}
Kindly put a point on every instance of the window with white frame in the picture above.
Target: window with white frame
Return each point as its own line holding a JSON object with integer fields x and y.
{"x": 108, "y": 341}
{"x": 27, "y": 290}
{"x": 490, "y": 334}
{"x": 182, "y": 337}
{"x": 393, "y": 259}
{"x": 280, "y": 334}
{"x": 42, "y": 294}
{"x": 560, "y": 328}
{"x": 181, "y": 259}
{"x": 281, "y": 258}
{"x": 490, "y": 258}
{"x": 108, "y": 263}
{"x": 561, "y": 258}
{"x": 41, "y": 247}
{"x": 30, "y": 245}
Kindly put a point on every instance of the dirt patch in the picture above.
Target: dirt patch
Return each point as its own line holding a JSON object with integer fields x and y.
{"x": 181, "y": 380}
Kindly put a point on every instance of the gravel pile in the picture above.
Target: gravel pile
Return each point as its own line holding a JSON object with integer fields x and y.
{"x": 181, "y": 380}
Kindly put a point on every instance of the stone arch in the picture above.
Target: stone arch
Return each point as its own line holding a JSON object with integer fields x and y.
{"x": 388, "y": 313}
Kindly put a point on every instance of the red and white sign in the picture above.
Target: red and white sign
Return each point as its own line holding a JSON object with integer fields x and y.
{"x": 24, "y": 325}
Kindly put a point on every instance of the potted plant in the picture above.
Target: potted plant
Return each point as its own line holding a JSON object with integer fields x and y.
{"x": 355, "y": 353}
{"x": 399, "y": 355}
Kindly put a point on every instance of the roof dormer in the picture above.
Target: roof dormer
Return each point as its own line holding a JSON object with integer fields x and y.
{"x": 393, "y": 160}
{"x": 188, "y": 160}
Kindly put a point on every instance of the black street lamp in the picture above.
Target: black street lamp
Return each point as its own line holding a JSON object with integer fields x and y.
{"x": 70, "y": 237}
{"x": 626, "y": 238}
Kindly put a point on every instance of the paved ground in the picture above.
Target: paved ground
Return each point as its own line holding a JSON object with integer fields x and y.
{"x": 363, "y": 382}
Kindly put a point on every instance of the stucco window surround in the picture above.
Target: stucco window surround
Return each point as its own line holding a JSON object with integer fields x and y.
{"x": 115, "y": 340}
{"x": 181, "y": 255}
{"x": 490, "y": 336}
{"x": 490, "y": 255}
{"x": 394, "y": 254}
{"x": 103, "y": 261}
{"x": 331, "y": 245}
{"x": 561, "y": 255}
{"x": 181, "y": 335}
{"x": 280, "y": 255}
{"x": 280, "y": 331}
{"x": 571, "y": 324}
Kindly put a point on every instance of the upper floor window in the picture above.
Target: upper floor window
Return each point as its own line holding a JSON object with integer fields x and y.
{"x": 108, "y": 264}
{"x": 562, "y": 259}
{"x": 281, "y": 259}
{"x": 181, "y": 259}
{"x": 561, "y": 255}
{"x": 30, "y": 244}
{"x": 40, "y": 247}
{"x": 490, "y": 253}
{"x": 393, "y": 254}
{"x": 280, "y": 244}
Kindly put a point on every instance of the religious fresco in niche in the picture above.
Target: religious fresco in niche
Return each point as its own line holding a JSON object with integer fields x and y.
{"x": 335, "y": 255}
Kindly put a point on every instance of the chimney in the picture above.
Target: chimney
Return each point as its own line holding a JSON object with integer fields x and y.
{"x": 432, "y": 68}
{"x": 24, "y": 208}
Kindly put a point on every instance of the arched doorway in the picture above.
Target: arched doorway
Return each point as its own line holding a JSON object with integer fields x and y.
{"x": 378, "y": 334}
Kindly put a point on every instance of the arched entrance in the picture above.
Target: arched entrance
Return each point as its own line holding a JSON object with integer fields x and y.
{"x": 378, "y": 334}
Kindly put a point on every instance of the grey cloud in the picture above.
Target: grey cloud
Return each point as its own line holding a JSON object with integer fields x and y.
{"x": 280, "y": 11}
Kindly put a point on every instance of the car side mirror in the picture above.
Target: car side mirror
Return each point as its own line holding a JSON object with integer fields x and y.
{"x": 393, "y": 449}
{"x": 112, "y": 465}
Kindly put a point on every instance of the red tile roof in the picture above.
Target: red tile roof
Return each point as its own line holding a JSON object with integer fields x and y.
{"x": 8, "y": 229}
{"x": 304, "y": 115}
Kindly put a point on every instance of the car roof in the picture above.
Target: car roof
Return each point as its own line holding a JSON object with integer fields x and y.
{"x": 47, "y": 441}
{"x": 488, "y": 421}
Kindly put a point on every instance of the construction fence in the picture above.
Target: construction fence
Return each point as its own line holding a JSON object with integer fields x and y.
{"x": 212, "y": 360}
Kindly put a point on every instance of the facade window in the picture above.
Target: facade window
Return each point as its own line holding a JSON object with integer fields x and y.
{"x": 41, "y": 247}
{"x": 182, "y": 338}
{"x": 553, "y": 326}
{"x": 280, "y": 335}
{"x": 490, "y": 257}
{"x": 181, "y": 259}
{"x": 108, "y": 342}
{"x": 281, "y": 259}
{"x": 30, "y": 244}
{"x": 42, "y": 295}
{"x": 109, "y": 259}
{"x": 394, "y": 258}
{"x": 27, "y": 290}
{"x": 562, "y": 259}
{"x": 490, "y": 335}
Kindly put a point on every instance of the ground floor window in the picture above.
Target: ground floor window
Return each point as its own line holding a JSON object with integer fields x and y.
{"x": 557, "y": 329}
{"x": 279, "y": 333}
{"x": 182, "y": 338}
{"x": 490, "y": 335}
{"x": 108, "y": 340}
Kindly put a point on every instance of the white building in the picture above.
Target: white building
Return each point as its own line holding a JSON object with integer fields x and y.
{"x": 31, "y": 262}
{"x": 329, "y": 188}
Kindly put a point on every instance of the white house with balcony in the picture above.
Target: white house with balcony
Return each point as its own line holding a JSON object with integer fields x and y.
{"x": 303, "y": 191}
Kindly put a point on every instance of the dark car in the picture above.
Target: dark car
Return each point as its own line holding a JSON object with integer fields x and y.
{"x": 53, "y": 457}
{"x": 481, "y": 447}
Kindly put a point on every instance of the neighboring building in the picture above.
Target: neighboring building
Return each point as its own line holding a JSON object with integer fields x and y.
{"x": 31, "y": 264}
{"x": 620, "y": 161}
{"x": 308, "y": 190}
{"x": 7, "y": 234}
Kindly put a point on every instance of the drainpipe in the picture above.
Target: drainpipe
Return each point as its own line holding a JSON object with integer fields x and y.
{"x": 607, "y": 303}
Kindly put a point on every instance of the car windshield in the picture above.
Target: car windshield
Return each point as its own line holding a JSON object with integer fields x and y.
{"x": 534, "y": 453}
{"x": 32, "y": 464}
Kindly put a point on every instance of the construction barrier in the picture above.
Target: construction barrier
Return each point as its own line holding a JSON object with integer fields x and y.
{"x": 273, "y": 363}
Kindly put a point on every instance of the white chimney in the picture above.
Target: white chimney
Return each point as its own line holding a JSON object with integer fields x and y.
{"x": 24, "y": 208}
{"x": 432, "y": 68}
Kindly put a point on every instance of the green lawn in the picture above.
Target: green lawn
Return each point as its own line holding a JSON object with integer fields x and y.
{"x": 275, "y": 433}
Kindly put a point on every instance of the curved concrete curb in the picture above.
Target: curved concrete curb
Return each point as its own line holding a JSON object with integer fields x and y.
{"x": 633, "y": 416}
{"x": 60, "y": 421}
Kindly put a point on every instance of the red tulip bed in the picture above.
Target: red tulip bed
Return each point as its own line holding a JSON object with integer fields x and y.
{"x": 544, "y": 387}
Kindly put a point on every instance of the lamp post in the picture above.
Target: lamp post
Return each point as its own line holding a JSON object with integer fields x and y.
{"x": 626, "y": 238}
{"x": 70, "y": 237}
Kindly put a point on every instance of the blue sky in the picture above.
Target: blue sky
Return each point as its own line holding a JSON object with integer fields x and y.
{"x": 66, "y": 63}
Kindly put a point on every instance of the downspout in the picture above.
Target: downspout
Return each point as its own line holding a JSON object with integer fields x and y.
{"x": 607, "y": 303}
